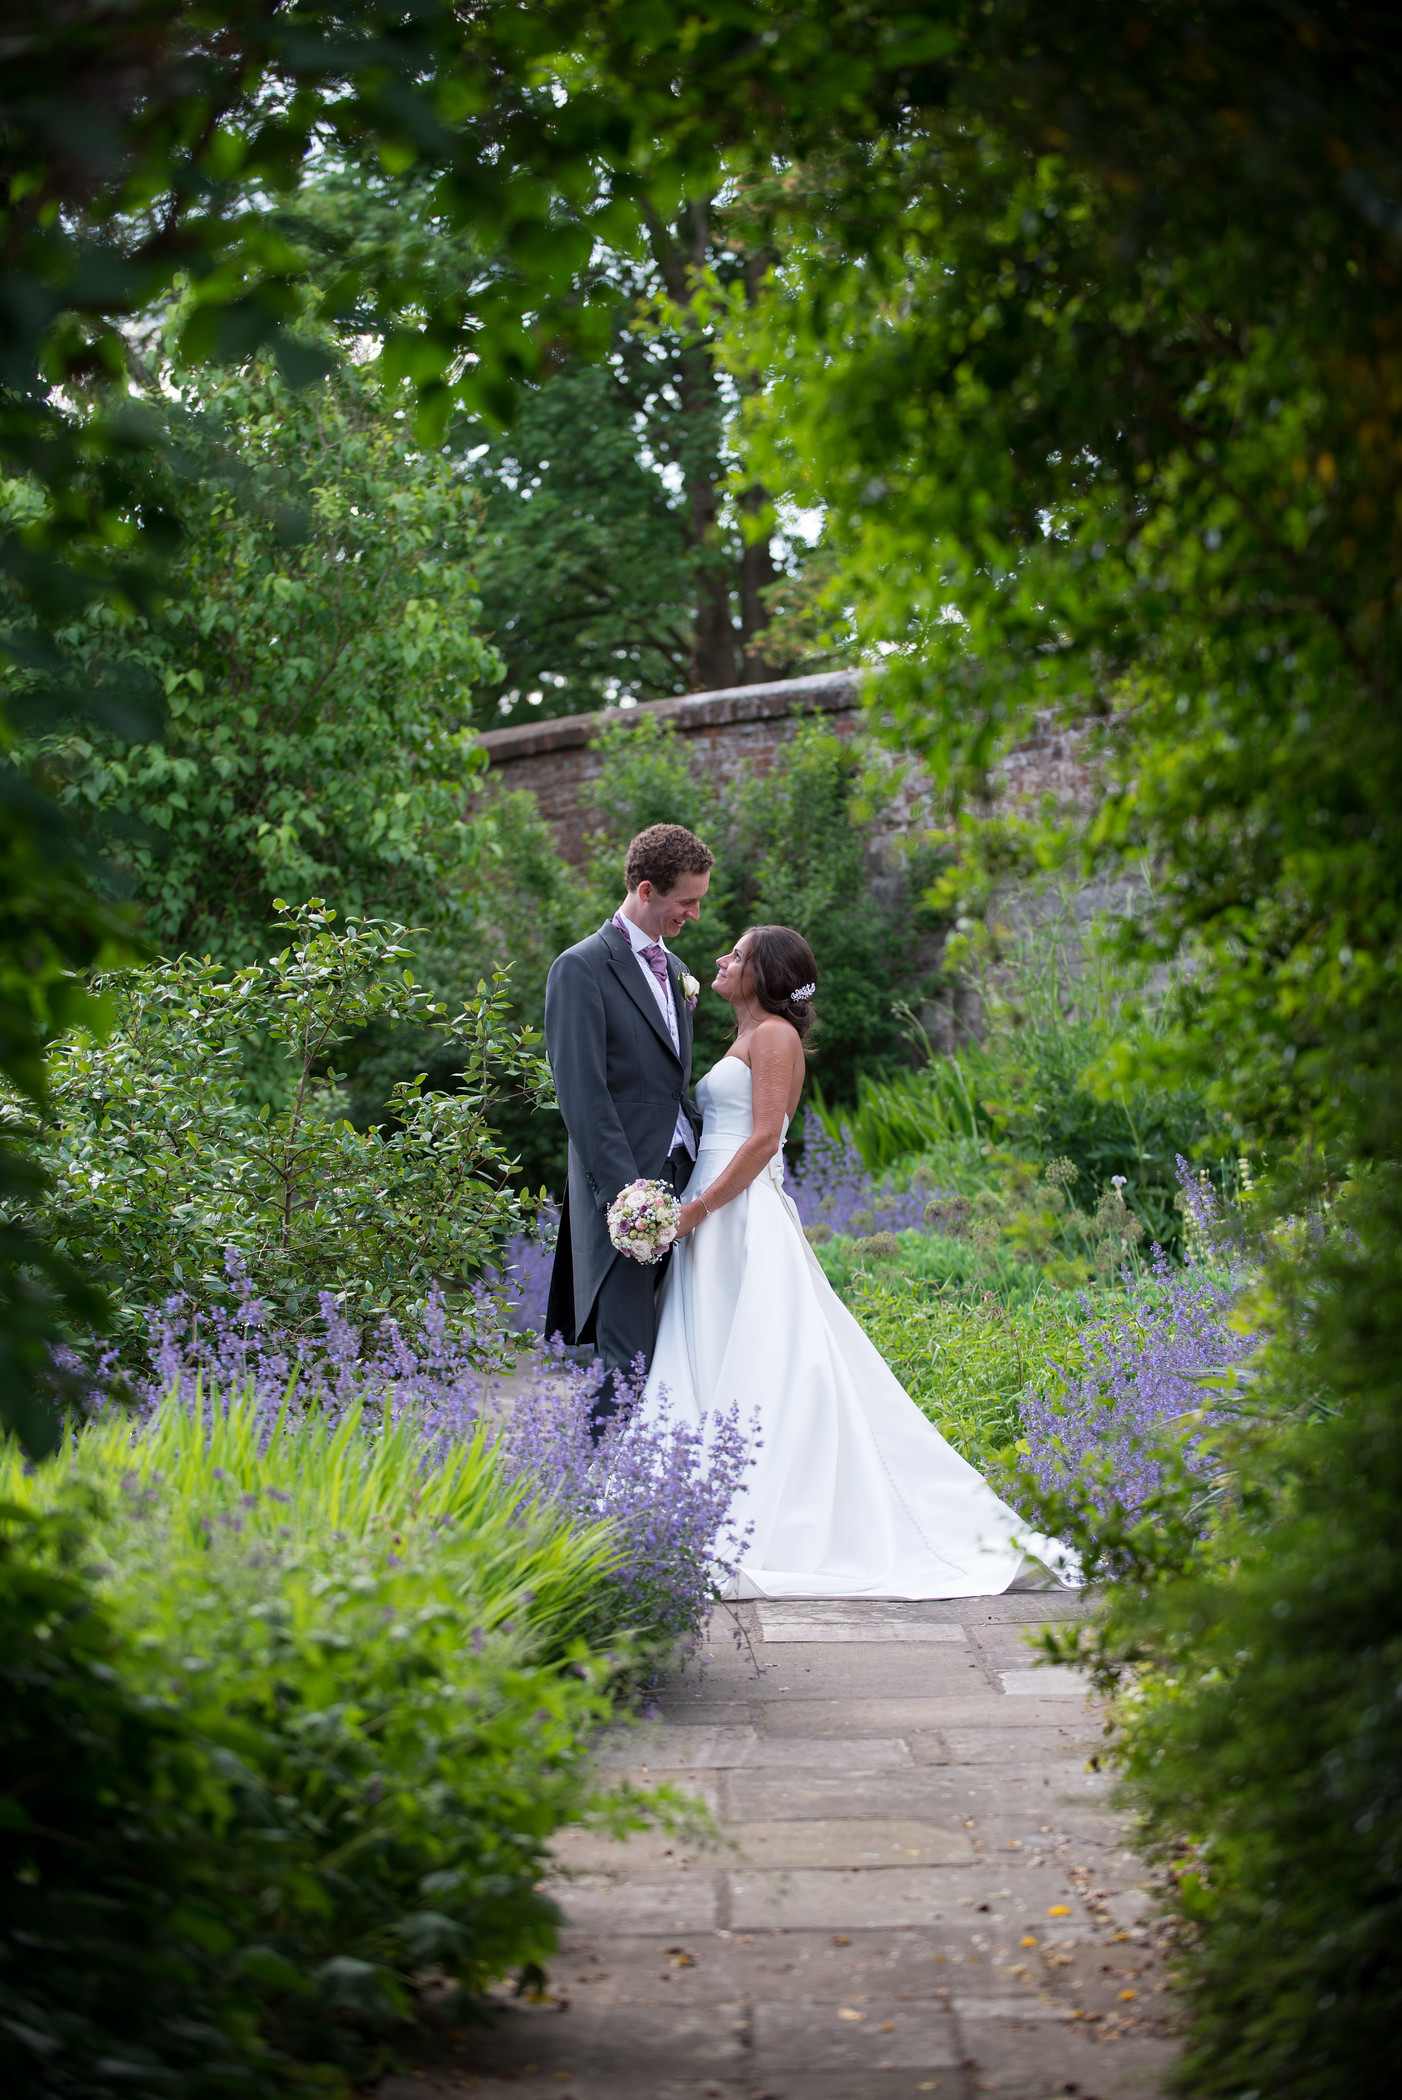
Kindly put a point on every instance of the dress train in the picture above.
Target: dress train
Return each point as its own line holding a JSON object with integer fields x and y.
{"x": 852, "y": 1492}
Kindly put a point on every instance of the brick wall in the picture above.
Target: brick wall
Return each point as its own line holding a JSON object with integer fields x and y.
{"x": 739, "y": 731}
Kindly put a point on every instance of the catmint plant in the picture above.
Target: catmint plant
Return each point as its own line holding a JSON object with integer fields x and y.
{"x": 1146, "y": 1363}
{"x": 667, "y": 1490}
{"x": 835, "y": 1189}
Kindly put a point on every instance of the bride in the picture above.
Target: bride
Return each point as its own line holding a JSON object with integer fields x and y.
{"x": 851, "y": 1491}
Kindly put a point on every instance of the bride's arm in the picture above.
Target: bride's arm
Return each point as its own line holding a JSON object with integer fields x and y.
{"x": 772, "y": 1050}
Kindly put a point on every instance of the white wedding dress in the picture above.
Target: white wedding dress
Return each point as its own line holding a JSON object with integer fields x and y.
{"x": 851, "y": 1491}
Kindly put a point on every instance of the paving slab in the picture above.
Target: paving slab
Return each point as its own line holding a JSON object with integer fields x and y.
{"x": 760, "y": 1794}
{"x": 857, "y": 1717}
{"x": 596, "y": 1904}
{"x": 703, "y": 2040}
{"x": 1027, "y": 1794}
{"x": 644, "y": 1855}
{"x": 702, "y": 1712}
{"x": 1024, "y": 2061}
{"x": 853, "y": 1843}
{"x": 1049, "y": 1681}
{"x": 873, "y": 2085}
{"x": 922, "y": 1886}
{"x": 989, "y": 1733}
{"x": 856, "y": 1611}
{"x": 849, "y": 1899}
{"x": 615, "y": 2083}
{"x": 1023, "y": 2007}
{"x": 785, "y": 1631}
{"x": 1094, "y": 1825}
{"x": 700, "y": 1968}
{"x": 853, "y": 1669}
{"x": 1013, "y": 1608}
{"x": 1010, "y": 1647}
{"x": 884, "y": 2034}
{"x": 685, "y": 1750}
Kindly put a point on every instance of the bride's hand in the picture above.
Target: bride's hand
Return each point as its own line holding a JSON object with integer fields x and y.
{"x": 692, "y": 1214}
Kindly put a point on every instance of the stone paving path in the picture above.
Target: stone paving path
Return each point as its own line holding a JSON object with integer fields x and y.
{"x": 925, "y": 1890}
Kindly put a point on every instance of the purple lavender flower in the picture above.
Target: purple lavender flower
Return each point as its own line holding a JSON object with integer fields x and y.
{"x": 834, "y": 1185}
{"x": 667, "y": 1490}
{"x": 220, "y": 1350}
{"x": 1143, "y": 1366}
{"x": 524, "y": 1272}
{"x": 1198, "y": 1200}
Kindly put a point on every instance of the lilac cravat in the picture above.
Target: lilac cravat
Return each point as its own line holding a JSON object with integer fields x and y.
{"x": 654, "y": 953}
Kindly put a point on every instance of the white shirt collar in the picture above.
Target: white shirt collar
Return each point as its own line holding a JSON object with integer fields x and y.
{"x": 638, "y": 940}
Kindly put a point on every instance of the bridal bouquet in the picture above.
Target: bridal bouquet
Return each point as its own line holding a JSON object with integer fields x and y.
{"x": 643, "y": 1220}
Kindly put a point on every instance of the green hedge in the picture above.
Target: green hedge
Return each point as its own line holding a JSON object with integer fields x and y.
{"x": 286, "y": 1735}
{"x": 1255, "y": 1632}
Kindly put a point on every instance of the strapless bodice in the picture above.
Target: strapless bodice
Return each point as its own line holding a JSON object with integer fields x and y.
{"x": 725, "y": 1098}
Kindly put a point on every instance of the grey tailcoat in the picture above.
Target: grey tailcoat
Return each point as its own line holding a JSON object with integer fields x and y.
{"x": 619, "y": 1084}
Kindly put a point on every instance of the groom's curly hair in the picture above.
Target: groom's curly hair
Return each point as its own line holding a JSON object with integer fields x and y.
{"x": 664, "y": 853}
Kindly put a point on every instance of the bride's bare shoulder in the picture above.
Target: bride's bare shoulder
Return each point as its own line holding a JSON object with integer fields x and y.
{"x": 775, "y": 1038}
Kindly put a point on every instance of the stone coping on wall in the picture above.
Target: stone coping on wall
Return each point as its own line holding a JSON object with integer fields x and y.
{"x": 826, "y": 692}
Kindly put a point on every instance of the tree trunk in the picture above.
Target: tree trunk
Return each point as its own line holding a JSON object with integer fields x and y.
{"x": 713, "y": 656}
{"x": 676, "y": 252}
{"x": 757, "y": 572}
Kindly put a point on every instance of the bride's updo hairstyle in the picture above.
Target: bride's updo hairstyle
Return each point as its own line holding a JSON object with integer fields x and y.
{"x": 783, "y": 965}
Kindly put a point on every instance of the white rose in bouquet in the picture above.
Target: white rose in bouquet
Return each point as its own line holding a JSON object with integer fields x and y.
{"x": 643, "y": 1220}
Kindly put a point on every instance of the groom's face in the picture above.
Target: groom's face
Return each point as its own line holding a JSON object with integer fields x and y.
{"x": 666, "y": 915}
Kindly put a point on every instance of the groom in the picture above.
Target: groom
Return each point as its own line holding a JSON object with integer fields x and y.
{"x": 618, "y": 1035}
